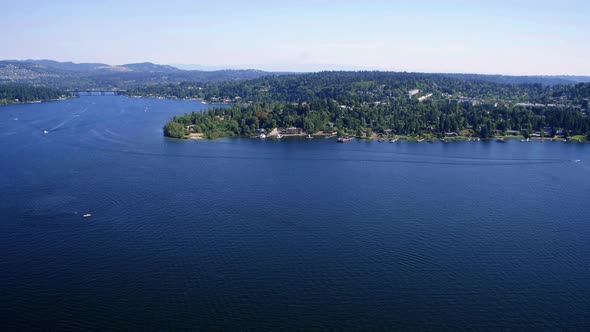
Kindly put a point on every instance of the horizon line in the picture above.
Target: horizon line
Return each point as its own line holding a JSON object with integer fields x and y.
{"x": 214, "y": 67}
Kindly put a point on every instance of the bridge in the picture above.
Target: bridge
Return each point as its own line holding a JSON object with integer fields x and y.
{"x": 98, "y": 92}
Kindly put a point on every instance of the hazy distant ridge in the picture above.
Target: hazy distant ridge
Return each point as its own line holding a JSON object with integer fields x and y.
{"x": 70, "y": 75}
{"x": 540, "y": 79}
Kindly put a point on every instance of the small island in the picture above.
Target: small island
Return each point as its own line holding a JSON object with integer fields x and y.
{"x": 380, "y": 105}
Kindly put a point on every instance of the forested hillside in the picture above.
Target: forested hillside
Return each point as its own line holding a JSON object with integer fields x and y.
{"x": 362, "y": 103}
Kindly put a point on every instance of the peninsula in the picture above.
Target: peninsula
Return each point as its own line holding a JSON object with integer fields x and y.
{"x": 384, "y": 104}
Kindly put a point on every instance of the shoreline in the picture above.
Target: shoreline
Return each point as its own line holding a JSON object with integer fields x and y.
{"x": 11, "y": 102}
{"x": 408, "y": 139}
{"x": 202, "y": 100}
{"x": 36, "y": 101}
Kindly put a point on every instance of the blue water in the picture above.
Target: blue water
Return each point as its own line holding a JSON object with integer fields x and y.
{"x": 297, "y": 234}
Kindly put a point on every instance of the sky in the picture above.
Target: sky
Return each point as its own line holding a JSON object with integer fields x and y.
{"x": 517, "y": 37}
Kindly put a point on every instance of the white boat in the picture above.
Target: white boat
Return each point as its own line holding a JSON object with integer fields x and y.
{"x": 262, "y": 136}
{"x": 309, "y": 136}
{"x": 393, "y": 140}
{"x": 45, "y": 132}
{"x": 279, "y": 136}
{"x": 420, "y": 140}
{"x": 344, "y": 139}
{"x": 87, "y": 215}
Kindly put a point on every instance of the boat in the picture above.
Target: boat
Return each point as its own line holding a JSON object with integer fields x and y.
{"x": 262, "y": 136}
{"x": 87, "y": 215}
{"x": 45, "y": 132}
{"x": 309, "y": 136}
{"x": 344, "y": 139}
{"x": 279, "y": 136}
{"x": 393, "y": 140}
{"x": 420, "y": 140}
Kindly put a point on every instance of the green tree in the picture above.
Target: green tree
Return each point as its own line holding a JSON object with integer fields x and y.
{"x": 484, "y": 131}
{"x": 526, "y": 133}
{"x": 175, "y": 130}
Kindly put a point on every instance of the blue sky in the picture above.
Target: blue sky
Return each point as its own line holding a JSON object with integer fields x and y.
{"x": 503, "y": 37}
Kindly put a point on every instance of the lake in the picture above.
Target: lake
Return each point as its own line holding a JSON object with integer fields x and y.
{"x": 298, "y": 234}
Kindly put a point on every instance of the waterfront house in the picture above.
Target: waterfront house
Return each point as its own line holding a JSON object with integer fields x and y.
{"x": 547, "y": 131}
{"x": 292, "y": 131}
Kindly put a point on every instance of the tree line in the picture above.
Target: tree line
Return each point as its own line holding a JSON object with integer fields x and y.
{"x": 434, "y": 118}
{"x": 16, "y": 93}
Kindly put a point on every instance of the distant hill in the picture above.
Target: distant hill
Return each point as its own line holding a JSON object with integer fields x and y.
{"x": 543, "y": 80}
{"x": 151, "y": 67}
{"x": 96, "y": 67}
{"x": 26, "y": 72}
{"x": 69, "y": 66}
{"x": 575, "y": 79}
{"x": 69, "y": 75}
